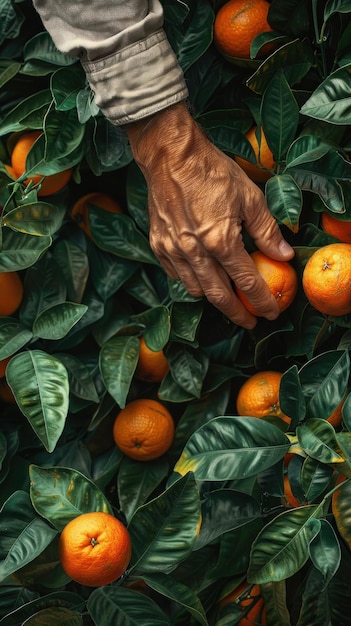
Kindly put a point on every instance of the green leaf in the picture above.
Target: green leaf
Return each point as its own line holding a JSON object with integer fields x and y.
{"x": 157, "y": 324}
{"x": 291, "y": 397}
{"x": 278, "y": 102}
{"x": 331, "y": 100}
{"x": 20, "y": 251}
{"x": 57, "y": 320}
{"x": 65, "y": 84}
{"x": 188, "y": 368}
{"x": 197, "y": 37}
{"x": 295, "y": 58}
{"x": 60, "y": 494}
{"x": 123, "y": 606}
{"x": 13, "y": 336}
{"x": 284, "y": 199}
{"x": 336, "y": 6}
{"x": 8, "y": 69}
{"x": 225, "y": 510}
{"x": 282, "y": 546}
{"x": 318, "y": 439}
{"x": 325, "y": 551}
{"x": 74, "y": 265}
{"x": 81, "y": 382}
{"x": 164, "y": 530}
{"x": 37, "y": 218}
{"x": 39, "y": 383}
{"x": 63, "y": 134}
{"x": 232, "y": 447}
{"x": 42, "y": 47}
{"x": 315, "y": 479}
{"x": 186, "y": 317}
{"x": 65, "y": 599}
{"x": 23, "y": 535}
{"x": 177, "y": 592}
{"x": 118, "y": 361}
{"x": 14, "y": 119}
{"x": 118, "y": 234}
{"x": 137, "y": 481}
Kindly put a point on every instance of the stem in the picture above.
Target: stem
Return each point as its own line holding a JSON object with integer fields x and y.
{"x": 319, "y": 36}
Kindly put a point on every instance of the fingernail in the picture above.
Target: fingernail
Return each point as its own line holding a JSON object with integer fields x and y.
{"x": 286, "y": 248}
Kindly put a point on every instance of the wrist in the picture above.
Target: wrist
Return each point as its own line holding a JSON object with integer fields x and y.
{"x": 171, "y": 129}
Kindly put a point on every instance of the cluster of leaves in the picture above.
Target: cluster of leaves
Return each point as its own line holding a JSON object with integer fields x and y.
{"x": 74, "y": 343}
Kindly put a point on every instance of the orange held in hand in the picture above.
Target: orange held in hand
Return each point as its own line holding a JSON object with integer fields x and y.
{"x": 80, "y": 210}
{"x": 280, "y": 277}
{"x": 95, "y": 549}
{"x": 236, "y": 25}
{"x": 265, "y": 162}
{"x": 144, "y": 429}
{"x": 152, "y": 365}
{"x": 11, "y": 290}
{"x": 259, "y": 396}
{"x": 326, "y": 279}
{"x": 49, "y": 184}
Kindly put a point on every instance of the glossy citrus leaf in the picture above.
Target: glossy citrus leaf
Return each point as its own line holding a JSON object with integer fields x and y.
{"x": 137, "y": 481}
{"x": 13, "y": 336}
{"x": 330, "y": 101}
{"x": 279, "y": 102}
{"x": 8, "y": 69}
{"x": 39, "y": 383}
{"x": 57, "y": 320}
{"x": 225, "y": 510}
{"x": 123, "y": 606}
{"x": 164, "y": 530}
{"x": 157, "y": 324}
{"x": 274, "y": 595}
{"x": 59, "y": 494}
{"x": 20, "y": 250}
{"x": 13, "y": 121}
{"x": 284, "y": 199}
{"x": 63, "y": 134}
{"x": 318, "y": 439}
{"x": 117, "y": 234}
{"x": 234, "y": 550}
{"x": 281, "y": 548}
{"x": 30, "y": 606}
{"x": 39, "y": 218}
{"x": 336, "y": 6}
{"x": 197, "y": 37}
{"x": 188, "y": 368}
{"x": 118, "y": 361}
{"x": 74, "y": 265}
{"x": 177, "y": 592}
{"x": 315, "y": 479}
{"x": 65, "y": 85}
{"x": 325, "y": 551}
{"x": 81, "y": 382}
{"x": 291, "y": 397}
{"x": 232, "y": 447}
{"x": 23, "y": 534}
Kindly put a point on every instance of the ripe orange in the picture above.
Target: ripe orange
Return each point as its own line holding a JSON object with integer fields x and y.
{"x": 152, "y": 365}
{"x": 144, "y": 429}
{"x": 49, "y": 184}
{"x": 80, "y": 210}
{"x": 265, "y": 162}
{"x": 95, "y": 549}
{"x": 237, "y": 23}
{"x": 335, "y": 227}
{"x": 11, "y": 290}
{"x": 247, "y": 596}
{"x": 280, "y": 277}
{"x": 326, "y": 279}
{"x": 259, "y": 396}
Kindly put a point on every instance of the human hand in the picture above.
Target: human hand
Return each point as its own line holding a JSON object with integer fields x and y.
{"x": 199, "y": 201}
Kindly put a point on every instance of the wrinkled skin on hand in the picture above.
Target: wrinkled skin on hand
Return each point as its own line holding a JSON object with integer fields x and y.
{"x": 199, "y": 200}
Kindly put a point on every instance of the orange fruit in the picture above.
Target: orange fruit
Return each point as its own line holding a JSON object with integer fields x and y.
{"x": 259, "y": 396}
{"x": 280, "y": 277}
{"x": 144, "y": 429}
{"x": 95, "y": 549}
{"x": 251, "y": 601}
{"x": 326, "y": 279}
{"x": 80, "y": 210}
{"x": 236, "y": 25}
{"x": 49, "y": 184}
{"x": 337, "y": 228}
{"x": 152, "y": 365}
{"x": 261, "y": 171}
{"x": 11, "y": 290}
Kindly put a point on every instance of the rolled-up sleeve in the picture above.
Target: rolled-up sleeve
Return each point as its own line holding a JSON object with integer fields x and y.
{"x": 124, "y": 51}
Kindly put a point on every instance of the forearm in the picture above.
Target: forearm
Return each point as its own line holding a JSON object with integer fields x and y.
{"x": 128, "y": 61}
